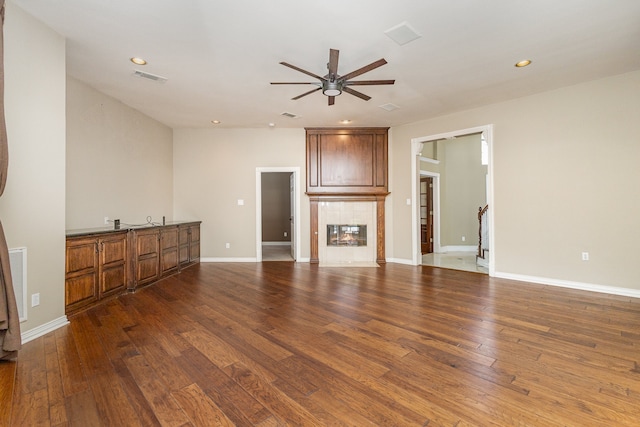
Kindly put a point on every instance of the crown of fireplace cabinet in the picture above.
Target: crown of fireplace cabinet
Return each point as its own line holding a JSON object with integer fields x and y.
{"x": 347, "y": 162}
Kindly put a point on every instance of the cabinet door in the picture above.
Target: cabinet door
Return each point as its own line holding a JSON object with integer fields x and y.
{"x": 81, "y": 273}
{"x": 113, "y": 264}
{"x": 183, "y": 247}
{"x": 194, "y": 243}
{"x": 169, "y": 250}
{"x": 147, "y": 244}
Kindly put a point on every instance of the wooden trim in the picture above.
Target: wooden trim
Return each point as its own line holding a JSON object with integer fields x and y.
{"x": 380, "y": 234}
{"x": 314, "y": 231}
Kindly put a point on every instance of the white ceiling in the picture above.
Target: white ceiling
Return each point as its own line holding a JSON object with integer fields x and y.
{"x": 220, "y": 56}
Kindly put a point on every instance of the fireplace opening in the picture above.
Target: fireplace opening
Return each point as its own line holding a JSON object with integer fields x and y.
{"x": 346, "y": 235}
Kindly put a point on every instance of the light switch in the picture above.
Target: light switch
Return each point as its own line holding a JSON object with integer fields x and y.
{"x": 240, "y": 202}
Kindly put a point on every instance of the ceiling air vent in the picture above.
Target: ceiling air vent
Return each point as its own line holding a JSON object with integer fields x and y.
{"x": 149, "y": 76}
{"x": 389, "y": 107}
{"x": 402, "y": 33}
{"x": 290, "y": 115}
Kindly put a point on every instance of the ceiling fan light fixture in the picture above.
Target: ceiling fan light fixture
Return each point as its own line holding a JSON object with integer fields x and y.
{"x": 332, "y": 88}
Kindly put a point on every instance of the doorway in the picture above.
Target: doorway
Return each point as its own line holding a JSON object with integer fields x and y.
{"x": 426, "y": 214}
{"x": 277, "y": 211}
{"x": 417, "y": 146}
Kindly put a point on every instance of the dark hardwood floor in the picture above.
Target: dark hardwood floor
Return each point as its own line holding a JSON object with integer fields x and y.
{"x": 281, "y": 343}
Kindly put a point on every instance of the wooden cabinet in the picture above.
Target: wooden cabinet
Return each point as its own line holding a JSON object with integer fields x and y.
{"x": 189, "y": 246}
{"x": 147, "y": 255}
{"x": 351, "y": 161}
{"x": 168, "y": 250}
{"x": 101, "y": 263}
{"x": 96, "y": 267}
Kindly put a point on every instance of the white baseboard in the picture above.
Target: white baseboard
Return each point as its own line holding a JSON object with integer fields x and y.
{"x": 465, "y": 248}
{"x": 400, "y": 261}
{"x": 276, "y": 243}
{"x": 44, "y": 329}
{"x": 591, "y": 287}
{"x": 248, "y": 259}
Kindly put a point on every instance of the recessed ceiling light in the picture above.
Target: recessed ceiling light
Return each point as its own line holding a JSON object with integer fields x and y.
{"x": 272, "y": 125}
{"x": 138, "y": 61}
{"x": 345, "y": 122}
{"x": 523, "y": 63}
{"x": 216, "y": 122}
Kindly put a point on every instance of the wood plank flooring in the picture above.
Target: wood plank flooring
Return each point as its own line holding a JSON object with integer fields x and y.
{"x": 281, "y": 343}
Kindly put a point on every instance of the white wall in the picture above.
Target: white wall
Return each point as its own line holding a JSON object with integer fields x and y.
{"x": 213, "y": 168}
{"x": 566, "y": 176}
{"x": 119, "y": 161}
{"x": 32, "y": 208}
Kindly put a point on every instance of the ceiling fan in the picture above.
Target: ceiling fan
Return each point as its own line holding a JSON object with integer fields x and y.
{"x": 334, "y": 84}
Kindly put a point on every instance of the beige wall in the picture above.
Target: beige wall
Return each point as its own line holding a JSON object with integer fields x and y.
{"x": 214, "y": 168}
{"x": 119, "y": 161}
{"x": 32, "y": 208}
{"x": 565, "y": 181}
{"x": 276, "y": 207}
{"x": 462, "y": 190}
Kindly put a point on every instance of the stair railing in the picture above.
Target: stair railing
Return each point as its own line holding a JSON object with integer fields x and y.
{"x": 483, "y": 230}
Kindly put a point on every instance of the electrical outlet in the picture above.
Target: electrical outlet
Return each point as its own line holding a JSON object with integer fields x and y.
{"x": 227, "y": 245}
{"x": 464, "y": 238}
{"x": 585, "y": 256}
{"x": 35, "y": 300}
{"x": 285, "y": 234}
{"x": 106, "y": 220}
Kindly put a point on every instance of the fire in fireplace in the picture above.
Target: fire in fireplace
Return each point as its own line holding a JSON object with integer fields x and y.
{"x": 346, "y": 235}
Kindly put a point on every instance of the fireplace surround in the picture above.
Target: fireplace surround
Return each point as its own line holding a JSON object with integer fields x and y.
{"x": 347, "y": 167}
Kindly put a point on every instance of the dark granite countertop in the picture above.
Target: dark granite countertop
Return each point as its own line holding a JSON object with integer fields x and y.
{"x": 107, "y": 229}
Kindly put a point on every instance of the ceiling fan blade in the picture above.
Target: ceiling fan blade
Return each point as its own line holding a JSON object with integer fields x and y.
{"x": 308, "y": 73}
{"x": 332, "y": 100}
{"x": 356, "y": 93}
{"x": 295, "y": 83}
{"x": 366, "y": 68}
{"x": 370, "y": 82}
{"x": 306, "y": 93}
{"x": 333, "y": 63}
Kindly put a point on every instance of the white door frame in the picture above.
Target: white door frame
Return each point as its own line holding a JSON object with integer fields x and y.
{"x": 296, "y": 192}
{"x": 416, "y": 151}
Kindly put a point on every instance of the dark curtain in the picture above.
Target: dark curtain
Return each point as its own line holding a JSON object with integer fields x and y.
{"x": 10, "y": 340}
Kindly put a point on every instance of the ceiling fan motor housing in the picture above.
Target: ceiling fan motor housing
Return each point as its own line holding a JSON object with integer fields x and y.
{"x": 332, "y": 88}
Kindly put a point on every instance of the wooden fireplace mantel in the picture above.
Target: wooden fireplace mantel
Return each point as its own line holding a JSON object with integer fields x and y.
{"x": 347, "y": 165}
